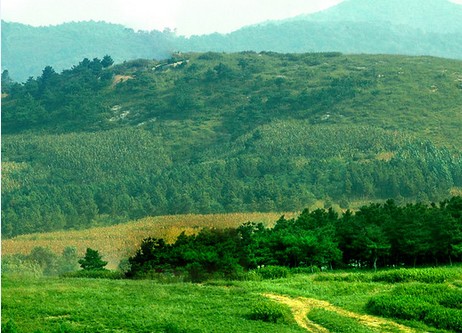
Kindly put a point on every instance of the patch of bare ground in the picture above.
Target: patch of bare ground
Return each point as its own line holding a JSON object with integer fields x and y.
{"x": 121, "y": 78}
{"x": 301, "y": 306}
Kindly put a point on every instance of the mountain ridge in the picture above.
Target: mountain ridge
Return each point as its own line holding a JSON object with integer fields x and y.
{"x": 353, "y": 26}
{"x": 440, "y": 16}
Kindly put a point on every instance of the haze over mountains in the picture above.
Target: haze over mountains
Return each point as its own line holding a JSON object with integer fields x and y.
{"x": 425, "y": 27}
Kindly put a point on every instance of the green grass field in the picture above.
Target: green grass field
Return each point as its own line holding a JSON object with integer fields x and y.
{"x": 320, "y": 302}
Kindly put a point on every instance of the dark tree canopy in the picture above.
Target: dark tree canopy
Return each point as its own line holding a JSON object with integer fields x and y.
{"x": 378, "y": 235}
{"x": 92, "y": 260}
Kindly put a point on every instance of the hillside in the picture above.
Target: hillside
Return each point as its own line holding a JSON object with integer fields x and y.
{"x": 211, "y": 133}
{"x": 430, "y": 27}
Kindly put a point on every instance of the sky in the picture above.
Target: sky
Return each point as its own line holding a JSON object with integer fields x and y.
{"x": 188, "y": 17}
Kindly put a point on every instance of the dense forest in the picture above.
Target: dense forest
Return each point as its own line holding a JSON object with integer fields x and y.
{"x": 199, "y": 133}
{"x": 377, "y": 235}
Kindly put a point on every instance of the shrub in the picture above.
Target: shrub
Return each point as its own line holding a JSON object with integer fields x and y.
{"x": 249, "y": 276}
{"x": 424, "y": 275}
{"x": 306, "y": 270}
{"x": 452, "y": 300}
{"x": 68, "y": 260}
{"x": 46, "y": 258}
{"x": 435, "y": 305}
{"x": 273, "y": 272}
{"x": 335, "y": 322}
{"x": 444, "y": 318}
{"x": 401, "y": 307}
{"x": 9, "y": 327}
{"x": 196, "y": 273}
{"x": 344, "y": 277}
{"x": 18, "y": 265}
{"x": 270, "y": 312}
{"x": 438, "y": 294}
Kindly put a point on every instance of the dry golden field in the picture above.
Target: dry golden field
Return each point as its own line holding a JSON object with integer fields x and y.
{"x": 121, "y": 241}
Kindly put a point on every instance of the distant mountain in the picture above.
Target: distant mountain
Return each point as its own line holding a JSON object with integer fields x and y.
{"x": 26, "y": 50}
{"x": 411, "y": 27}
{"x": 441, "y": 16}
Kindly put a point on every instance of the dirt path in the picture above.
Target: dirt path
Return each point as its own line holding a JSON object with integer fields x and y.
{"x": 302, "y": 306}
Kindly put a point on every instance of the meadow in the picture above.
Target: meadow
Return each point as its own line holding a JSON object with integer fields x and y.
{"x": 299, "y": 302}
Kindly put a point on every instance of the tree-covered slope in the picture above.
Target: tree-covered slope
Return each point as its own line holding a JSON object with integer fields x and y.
{"x": 219, "y": 132}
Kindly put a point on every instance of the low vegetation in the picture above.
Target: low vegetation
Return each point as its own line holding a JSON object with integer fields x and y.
{"x": 439, "y": 306}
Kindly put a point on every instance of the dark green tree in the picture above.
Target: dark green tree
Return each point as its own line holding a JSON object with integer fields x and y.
{"x": 6, "y": 81}
{"x": 92, "y": 260}
{"x": 107, "y": 61}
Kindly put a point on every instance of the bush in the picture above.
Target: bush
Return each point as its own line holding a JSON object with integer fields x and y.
{"x": 400, "y": 307}
{"x": 438, "y": 294}
{"x": 273, "y": 272}
{"x": 270, "y": 312}
{"x": 9, "y": 327}
{"x": 444, "y": 318}
{"x": 435, "y": 305}
{"x": 306, "y": 270}
{"x": 424, "y": 275}
{"x": 335, "y": 322}
{"x": 18, "y": 265}
{"x": 46, "y": 258}
{"x": 344, "y": 277}
{"x": 452, "y": 300}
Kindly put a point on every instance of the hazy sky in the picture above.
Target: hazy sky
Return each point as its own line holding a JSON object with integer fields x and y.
{"x": 188, "y": 16}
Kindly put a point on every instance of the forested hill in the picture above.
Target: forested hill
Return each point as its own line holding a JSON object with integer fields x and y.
{"x": 211, "y": 132}
{"x": 411, "y": 27}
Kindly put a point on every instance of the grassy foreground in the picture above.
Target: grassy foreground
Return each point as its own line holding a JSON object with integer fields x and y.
{"x": 322, "y": 302}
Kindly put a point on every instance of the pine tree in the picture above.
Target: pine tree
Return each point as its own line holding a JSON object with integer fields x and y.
{"x": 92, "y": 260}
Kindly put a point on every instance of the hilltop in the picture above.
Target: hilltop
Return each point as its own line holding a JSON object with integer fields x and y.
{"x": 212, "y": 133}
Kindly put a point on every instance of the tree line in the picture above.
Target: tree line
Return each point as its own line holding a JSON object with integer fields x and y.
{"x": 377, "y": 235}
